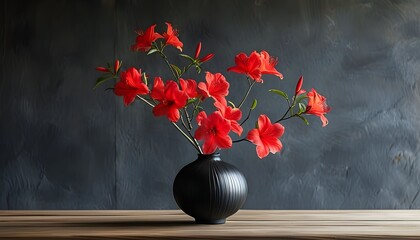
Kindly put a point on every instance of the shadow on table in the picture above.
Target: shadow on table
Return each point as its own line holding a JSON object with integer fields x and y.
{"x": 174, "y": 223}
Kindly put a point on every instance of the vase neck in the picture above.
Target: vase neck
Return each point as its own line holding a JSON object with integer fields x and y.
{"x": 211, "y": 157}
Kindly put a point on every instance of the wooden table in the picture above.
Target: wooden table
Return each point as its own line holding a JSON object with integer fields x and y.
{"x": 246, "y": 224}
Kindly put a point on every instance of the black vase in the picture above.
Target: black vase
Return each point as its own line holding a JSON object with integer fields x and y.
{"x": 209, "y": 189}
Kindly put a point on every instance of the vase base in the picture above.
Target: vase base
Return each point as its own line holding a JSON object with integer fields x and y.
{"x": 203, "y": 221}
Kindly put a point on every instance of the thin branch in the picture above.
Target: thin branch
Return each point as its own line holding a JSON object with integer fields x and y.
{"x": 190, "y": 128}
{"x": 174, "y": 74}
{"x": 247, "y": 117}
{"x": 240, "y": 140}
{"x": 187, "y": 137}
{"x": 246, "y": 94}
{"x": 146, "y": 101}
{"x": 177, "y": 127}
{"x": 291, "y": 106}
{"x": 186, "y": 69}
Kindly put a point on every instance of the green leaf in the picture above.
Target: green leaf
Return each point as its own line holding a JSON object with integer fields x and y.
{"x": 281, "y": 93}
{"x": 302, "y": 108}
{"x": 231, "y": 103}
{"x": 187, "y": 57}
{"x": 304, "y": 119}
{"x": 176, "y": 68}
{"x": 300, "y": 98}
{"x": 144, "y": 78}
{"x": 191, "y": 100}
{"x": 256, "y": 124}
{"x": 102, "y": 79}
{"x": 151, "y": 51}
{"x": 198, "y": 68}
{"x": 254, "y": 104}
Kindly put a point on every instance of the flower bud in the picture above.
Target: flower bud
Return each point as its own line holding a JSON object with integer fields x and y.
{"x": 207, "y": 57}
{"x": 299, "y": 85}
{"x": 116, "y": 66}
{"x": 101, "y": 69}
{"x": 197, "y": 50}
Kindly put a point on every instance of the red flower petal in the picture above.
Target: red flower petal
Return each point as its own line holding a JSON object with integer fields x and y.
{"x": 216, "y": 87}
{"x": 171, "y": 37}
{"x": 268, "y": 64}
{"x": 262, "y": 151}
{"x": 232, "y": 115}
{"x": 209, "y": 145}
{"x": 130, "y": 85}
{"x": 266, "y": 136}
{"x": 158, "y": 89}
{"x": 236, "y": 127}
{"x": 160, "y": 110}
{"x": 144, "y": 40}
{"x": 170, "y": 98}
{"x": 201, "y": 116}
{"x": 214, "y": 131}
{"x": 317, "y": 105}
{"x": 189, "y": 87}
{"x": 248, "y": 65}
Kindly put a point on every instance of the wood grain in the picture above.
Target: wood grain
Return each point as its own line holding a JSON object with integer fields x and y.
{"x": 246, "y": 224}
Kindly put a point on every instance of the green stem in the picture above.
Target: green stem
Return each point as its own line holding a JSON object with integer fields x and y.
{"x": 176, "y": 126}
{"x": 195, "y": 111}
{"x": 174, "y": 74}
{"x": 294, "y": 115}
{"x": 291, "y": 106}
{"x": 186, "y": 69}
{"x": 186, "y": 136}
{"x": 146, "y": 101}
{"x": 190, "y": 128}
{"x": 247, "y": 117}
{"x": 246, "y": 94}
{"x": 240, "y": 140}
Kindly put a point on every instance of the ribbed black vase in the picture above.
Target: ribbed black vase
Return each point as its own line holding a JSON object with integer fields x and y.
{"x": 209, "y": 189}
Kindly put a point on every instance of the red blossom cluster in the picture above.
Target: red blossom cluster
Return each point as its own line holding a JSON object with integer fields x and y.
{"x": 180, "y": 99}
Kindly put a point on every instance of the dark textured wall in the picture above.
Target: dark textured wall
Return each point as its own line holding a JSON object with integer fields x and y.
{"x": 65, "y": 146}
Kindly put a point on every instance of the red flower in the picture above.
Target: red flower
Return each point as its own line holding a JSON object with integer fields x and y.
{"x": 216, "y": 87}
{"x": 171, "y": 37}
{"x": 268, "y": 63}
{"x": 130, "y": 85}
{"x": 317, "y": 105}
{"x": 189, "y": 87}
{"x": 144, "y": 40}
{"x": 170, "y": 97}
{"x": 231, "y": 114}
{"x": 214, "y": 131}
{"x": 266, "y": 136}
{"x": 248, "y": 65}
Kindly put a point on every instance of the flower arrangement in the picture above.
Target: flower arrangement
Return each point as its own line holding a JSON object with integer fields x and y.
{"x": 180, "y": 100}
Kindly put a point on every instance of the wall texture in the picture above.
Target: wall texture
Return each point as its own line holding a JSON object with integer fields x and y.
{"x": 65, "y": 146}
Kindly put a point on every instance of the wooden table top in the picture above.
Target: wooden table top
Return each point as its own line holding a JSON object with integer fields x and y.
{"x": 246, "y": 224}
